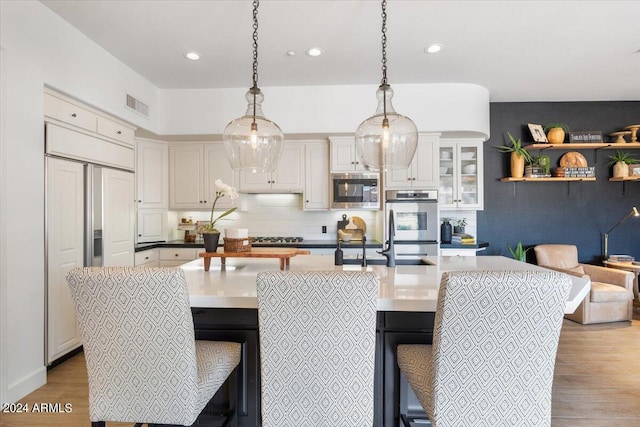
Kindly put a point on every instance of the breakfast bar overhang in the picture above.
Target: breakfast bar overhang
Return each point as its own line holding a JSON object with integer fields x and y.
{"x": 224, "y": 306}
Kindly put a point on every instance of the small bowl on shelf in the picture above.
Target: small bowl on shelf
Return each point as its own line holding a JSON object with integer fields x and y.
{"x": 443, "y": 171}
{"x": 469, "y": 169}
{"x": 467, "y": 155}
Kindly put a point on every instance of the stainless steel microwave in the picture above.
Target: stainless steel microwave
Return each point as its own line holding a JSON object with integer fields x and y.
{"x": 355, "y": 191}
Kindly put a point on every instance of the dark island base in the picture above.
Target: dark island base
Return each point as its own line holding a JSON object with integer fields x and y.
{"x": 241, "y": 325}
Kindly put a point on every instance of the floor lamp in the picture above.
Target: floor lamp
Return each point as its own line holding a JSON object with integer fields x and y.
{"x": 633, "y": 212}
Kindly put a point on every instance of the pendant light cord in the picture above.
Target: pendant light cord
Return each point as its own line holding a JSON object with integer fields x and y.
{"x": 254, "y": 89}
{"x": 383, "y": 84}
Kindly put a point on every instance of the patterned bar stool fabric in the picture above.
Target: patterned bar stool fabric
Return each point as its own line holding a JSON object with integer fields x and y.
{"x": 494, "y": 348}
{"x": 317, "y": 347}
{"x": 143, "y": 361}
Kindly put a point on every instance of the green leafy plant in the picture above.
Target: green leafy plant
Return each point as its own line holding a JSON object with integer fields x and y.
{"x": 515, "y": 147}
{"x": 562, "y": 126}
{"x": 461, "y": 222}
{"x": 519, "y": 253}
{"x": 622, "y": 157}
{"x": 222, "y": 190}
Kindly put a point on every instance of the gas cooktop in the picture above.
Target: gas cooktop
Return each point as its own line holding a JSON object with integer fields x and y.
{"x": 276, "y": 239}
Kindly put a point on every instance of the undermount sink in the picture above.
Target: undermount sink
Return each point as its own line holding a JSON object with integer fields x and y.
{"x": 383, "y": 261}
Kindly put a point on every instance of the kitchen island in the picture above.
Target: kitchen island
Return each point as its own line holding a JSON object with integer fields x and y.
{"x": 224, "y": 306}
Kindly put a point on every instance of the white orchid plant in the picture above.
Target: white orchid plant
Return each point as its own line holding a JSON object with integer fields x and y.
{"x": 222, "y": 190}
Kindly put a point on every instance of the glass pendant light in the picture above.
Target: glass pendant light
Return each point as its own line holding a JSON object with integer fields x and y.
{"x": 253, "y": 142}
{"x": 387, "y": 140}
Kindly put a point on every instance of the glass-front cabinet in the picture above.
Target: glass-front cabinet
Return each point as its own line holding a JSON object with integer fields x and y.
{"x": 461, "y": 174}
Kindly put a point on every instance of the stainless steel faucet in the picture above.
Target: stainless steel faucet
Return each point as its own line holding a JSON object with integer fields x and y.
{"x": 364, "y": 251}
{"x": 390, "y": 251}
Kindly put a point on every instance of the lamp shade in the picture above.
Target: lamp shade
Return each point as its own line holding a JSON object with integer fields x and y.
{"x": 387, "y": 140}
{"x": 253, "y": 142}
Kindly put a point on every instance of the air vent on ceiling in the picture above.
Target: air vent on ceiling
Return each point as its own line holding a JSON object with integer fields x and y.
{"x": 137, "y": 106}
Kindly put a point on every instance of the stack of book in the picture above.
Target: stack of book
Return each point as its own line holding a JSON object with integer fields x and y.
{"x": 575, "y": 172}
{"x": 463, "y": 239}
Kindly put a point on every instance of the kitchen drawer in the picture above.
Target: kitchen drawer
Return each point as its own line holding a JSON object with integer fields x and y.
{"x": 67, "y": 112}
{"x": 152, "y": 255}
{"x": 114, "y": 130}
{"x": 178, "y": 254}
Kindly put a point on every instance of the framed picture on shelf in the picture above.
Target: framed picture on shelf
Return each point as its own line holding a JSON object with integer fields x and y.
{"x": 537, "y": 132}
{"x": 634, "y": 169}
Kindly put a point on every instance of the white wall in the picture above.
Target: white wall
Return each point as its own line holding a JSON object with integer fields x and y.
{"x": 39, "y": 49}
{"x": 447, "y": 107}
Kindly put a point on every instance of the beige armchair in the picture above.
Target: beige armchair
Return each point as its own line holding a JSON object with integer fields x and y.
{"x": 611, "y": 296}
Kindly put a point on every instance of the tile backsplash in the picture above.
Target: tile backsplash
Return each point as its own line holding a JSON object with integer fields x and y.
{"x": 280, "y": 215}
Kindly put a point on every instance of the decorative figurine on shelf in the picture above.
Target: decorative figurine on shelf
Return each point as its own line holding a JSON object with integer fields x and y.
{"x": 209, "y": 232}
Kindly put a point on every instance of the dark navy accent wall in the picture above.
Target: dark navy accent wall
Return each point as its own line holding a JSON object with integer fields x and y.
{"x": 559, "y": 212}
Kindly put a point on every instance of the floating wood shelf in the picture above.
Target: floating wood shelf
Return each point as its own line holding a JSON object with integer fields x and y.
{"x": 544, "y": 179}
{"x": 626, "y": 178}
{"x": 584, "y": 146}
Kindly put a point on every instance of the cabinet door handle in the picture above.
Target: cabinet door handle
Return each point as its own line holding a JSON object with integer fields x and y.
{"x": 74, "y": 115}
{"x": 146, "y": 257}
{"x": 139, "y": 201}
{"x": 119, "y": 132}
{"x": 139, "y": 235}
{"x": 205, "y": 201}
{"x": 176, "y": 255}
{"x": 306, "y": 201}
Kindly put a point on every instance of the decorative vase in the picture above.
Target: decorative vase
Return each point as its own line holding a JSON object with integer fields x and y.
{"x": 517, "y": 165}
{"x": 211, "y": 241}
{"x": 620, "y": 170}
{"x": 445, "y": 232}
{"x": 555, "y": 136}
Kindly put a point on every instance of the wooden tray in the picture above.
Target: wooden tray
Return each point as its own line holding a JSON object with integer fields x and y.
{"x": 284, "y": 254}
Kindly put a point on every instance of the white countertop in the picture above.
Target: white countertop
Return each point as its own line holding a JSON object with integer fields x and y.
{"x": 402, "y": 288}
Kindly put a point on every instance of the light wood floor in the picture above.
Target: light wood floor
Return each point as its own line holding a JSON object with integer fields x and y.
{"x": 597, "y": 382}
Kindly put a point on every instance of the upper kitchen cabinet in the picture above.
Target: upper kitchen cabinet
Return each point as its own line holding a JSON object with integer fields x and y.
{"x": 343, "y": 155}
{"x": 152, "y": 174}
{"x": 422, "y": 173}
{"x": 287, "y": 178}
{"x": 193, "y": 168}
{"x": 66, "y": 111}
{"x": 316, "y": 183}
{"x": 461, "y": 174}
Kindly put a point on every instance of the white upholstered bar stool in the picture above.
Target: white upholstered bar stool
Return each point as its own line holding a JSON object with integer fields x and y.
{"x": 143, "y": 361}
{"x": 317, "y": 347}
{"x": 494, "y": 348}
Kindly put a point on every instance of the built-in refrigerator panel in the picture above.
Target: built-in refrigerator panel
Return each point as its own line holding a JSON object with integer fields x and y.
{"x": 90, "y": 221}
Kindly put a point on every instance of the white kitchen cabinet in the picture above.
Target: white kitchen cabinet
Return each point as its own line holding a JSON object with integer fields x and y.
{"x": 68, "y": 112}
{"x": 65, "y": 250}
{"x": 148, "y": 258}
{"x": 118, "y": 219}
{"x": 423, "y": 170}
{"x": 152, "y": 225}
{"x": 287, "y": 178}
{"x": 186, "y": 171}
{"x": 216, "y": 166}
{"x": 343, "y": 155}
{"x": 316, "y": 182}
{"x": 461, "y": 174}
{"x": 173, "y": 257}
{"x": 152, "y": 174}
{"x": 193, "y": 168}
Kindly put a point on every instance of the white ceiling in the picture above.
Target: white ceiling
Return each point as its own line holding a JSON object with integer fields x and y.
{"x": 520, "y": 50}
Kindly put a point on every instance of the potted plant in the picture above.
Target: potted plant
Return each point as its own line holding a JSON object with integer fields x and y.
{"x": 459, "y": 225}
{"x": 519, "y": 253}
{"x": 518, "y": 156}
{"x": 210, "y": 233}
{"x": 620, "y": 162}
{"x": 555, "y": 132}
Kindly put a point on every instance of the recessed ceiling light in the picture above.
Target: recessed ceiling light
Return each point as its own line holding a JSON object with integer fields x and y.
{"x": 434, "y": 48}
{"x": 194, "y": 56}
{"x": 314, "y": 51}
{"x": 291, "y": 53}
